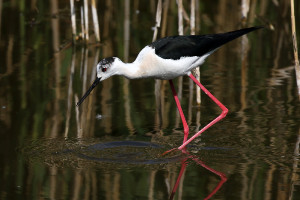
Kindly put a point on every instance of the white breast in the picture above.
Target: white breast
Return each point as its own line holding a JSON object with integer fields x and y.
{"x": 152, "y": 66}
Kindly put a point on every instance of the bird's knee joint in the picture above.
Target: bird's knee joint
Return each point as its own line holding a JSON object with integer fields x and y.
{"x": 224, "y": 112}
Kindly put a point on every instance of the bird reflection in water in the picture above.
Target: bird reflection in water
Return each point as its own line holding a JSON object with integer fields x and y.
{"x": 202, "y": 164}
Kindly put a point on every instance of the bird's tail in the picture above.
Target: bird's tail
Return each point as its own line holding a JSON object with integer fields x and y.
{"x": 223, "y": 38}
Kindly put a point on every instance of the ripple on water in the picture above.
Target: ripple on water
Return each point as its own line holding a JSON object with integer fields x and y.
{"x": 99, "y": 154}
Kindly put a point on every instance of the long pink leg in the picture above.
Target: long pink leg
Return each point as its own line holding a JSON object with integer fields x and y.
{"x": 183, "y": 166}
{"x": 184, "y": 163}
{"x": 221, "y": 116}
{"x": 185, "y": 126}
{"x": 220, "y": 174}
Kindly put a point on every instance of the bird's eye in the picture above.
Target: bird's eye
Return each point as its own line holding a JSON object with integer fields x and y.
{"x": 103, "y": 69}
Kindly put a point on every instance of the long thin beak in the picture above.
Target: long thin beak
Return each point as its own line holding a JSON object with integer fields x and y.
{"x": 97, "y": 80}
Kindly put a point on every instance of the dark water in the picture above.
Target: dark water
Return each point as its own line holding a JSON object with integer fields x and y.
{"x": 111, "y": 147}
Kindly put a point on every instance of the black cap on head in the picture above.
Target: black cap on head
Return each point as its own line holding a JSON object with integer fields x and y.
{"x": 106, "y": 61}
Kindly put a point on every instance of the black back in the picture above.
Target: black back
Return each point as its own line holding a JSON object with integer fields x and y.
{"x": 175, "y": 47}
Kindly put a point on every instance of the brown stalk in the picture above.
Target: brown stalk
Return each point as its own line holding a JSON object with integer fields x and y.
{"x": 297, "y": 67}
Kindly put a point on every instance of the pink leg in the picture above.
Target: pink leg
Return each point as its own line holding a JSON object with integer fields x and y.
{"x": 221, "y": 116}
{"x": 220, "y": 174}
{"x": 185, "y": 126}
{"x": 184, "y": 163}
{"x": 183, "y": 166}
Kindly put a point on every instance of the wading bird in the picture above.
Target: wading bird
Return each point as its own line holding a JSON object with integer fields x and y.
{"x": 166, "y": 59}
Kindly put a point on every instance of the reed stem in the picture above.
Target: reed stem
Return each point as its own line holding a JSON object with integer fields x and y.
{"x": 157, "y": 19}
{"x": 196, "y": 71}
{"x": 95, "y": 20}
{"x": 180, "y": 17}
{"x": 86, "y": 19}
{"x": 82, "y": 23}
{"x": 73, "y": 19}
{"x": 297, "y": 67}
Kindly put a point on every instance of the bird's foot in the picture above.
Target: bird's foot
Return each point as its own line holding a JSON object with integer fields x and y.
{"x": 166, "y": 152}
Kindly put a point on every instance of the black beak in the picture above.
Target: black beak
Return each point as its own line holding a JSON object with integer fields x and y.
{"x": 89, "y": 91}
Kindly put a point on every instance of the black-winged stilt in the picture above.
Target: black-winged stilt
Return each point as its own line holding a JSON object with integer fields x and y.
{"x": 168, "y": 58}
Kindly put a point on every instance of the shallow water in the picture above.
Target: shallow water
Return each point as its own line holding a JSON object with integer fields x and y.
{"x": 112, "y": 146}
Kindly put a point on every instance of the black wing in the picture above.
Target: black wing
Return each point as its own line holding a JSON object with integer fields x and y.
{"x": 175, "y": 47}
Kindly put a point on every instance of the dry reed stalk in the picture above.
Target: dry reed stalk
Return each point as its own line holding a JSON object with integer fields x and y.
{"x": 56, "y": 120}
{"x": 297, "y": 67}
{"x": 126, "y": 89}
{"x": 77, "y": 115}
{"x": 70, "y": 94}
{"x": 157, "y": 19}
{"x": 86, "y": 19}
{"x": 180, "y": 17}
{"x": 197, "y": 20}
{"x": 73, "y": 19}
{"x": 196, "y": 71}
{"x": 157, "y": 90}
{"x": 164, "y": 18}
{"x": 82, "y": 23}
{"x": 295, "y": 177}
{"x": 84, "y": 69}
{"x": 192, "y": 17}
{"x": 180, "y": 32}
{"x": 126, "y": 29}
{"x": 95, "y": 20}
{"x": 245, "y": 8}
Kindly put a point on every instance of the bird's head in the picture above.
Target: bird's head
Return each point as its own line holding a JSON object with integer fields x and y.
{"x": 105, "y": 69}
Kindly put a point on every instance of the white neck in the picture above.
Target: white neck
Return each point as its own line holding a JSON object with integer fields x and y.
{"x": 129, "y": 70}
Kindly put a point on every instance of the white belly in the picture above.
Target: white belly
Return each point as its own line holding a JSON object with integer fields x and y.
{"x": 153, "y": 66}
